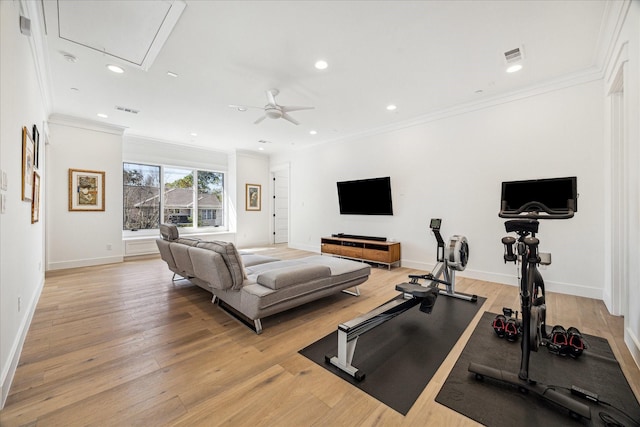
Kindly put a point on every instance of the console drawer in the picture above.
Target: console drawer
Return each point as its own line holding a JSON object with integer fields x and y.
{"x": 331, "y": 249}
{"x": 376, "y": 255}
{"x": 351, "y": 252}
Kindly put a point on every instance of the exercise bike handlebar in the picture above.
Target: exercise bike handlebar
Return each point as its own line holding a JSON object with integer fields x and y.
{"x": 535, "y": 210}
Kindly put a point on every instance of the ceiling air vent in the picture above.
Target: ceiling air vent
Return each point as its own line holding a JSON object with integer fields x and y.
{"x": 513, "y": 55}
{"x": 127, "y": 110}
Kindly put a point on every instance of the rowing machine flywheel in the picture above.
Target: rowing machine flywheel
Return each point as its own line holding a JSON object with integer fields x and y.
{"x": 457, "y": 253}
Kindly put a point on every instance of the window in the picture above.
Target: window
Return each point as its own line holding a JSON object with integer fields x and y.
{"x": 190, "y": 198}
{"x": 141, "y": 204}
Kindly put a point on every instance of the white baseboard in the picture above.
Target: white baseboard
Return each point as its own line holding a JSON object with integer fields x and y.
{"x": 84, "y": 262}
{"x": 16, "y": 347}
{"x": 633, "y": 343}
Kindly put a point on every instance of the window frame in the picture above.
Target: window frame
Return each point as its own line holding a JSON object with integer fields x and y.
{"x": 223, "y": 228}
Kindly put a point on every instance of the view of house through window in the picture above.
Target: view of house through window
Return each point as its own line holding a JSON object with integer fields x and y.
{"x": 190, "y": 198}
{"x": 141, "y": 204}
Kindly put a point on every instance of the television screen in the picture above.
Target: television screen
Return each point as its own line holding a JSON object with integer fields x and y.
{"x": 365, "y": 197}
{"x": 554, "y": 193}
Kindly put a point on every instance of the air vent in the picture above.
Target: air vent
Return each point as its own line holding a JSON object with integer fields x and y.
{"x": 127, "y": 110}
{"x": 513, "y": 55}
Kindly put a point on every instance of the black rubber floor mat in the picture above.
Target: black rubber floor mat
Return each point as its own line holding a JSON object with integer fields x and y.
{"x": 493, "y": 403}
{"x": 400, "y": 356}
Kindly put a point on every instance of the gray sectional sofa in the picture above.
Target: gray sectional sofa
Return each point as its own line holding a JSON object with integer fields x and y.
{"x": 256, "y": 286}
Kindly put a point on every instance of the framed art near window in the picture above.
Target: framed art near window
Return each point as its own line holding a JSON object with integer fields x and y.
{"x": 86, "y": 190}
{"x": 27, "y": 165}
{"x": 254, "y": 197}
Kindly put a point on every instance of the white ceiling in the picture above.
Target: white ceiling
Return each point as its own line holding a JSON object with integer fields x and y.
{"x": 423, "y": 56}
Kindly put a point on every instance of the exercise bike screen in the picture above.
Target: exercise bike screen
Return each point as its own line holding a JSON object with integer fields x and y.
{"x": 554, "y": 193}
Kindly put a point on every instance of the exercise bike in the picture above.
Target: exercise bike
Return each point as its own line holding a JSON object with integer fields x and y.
{"x": 524, "y": 222}
{"x": 450, "y": 258}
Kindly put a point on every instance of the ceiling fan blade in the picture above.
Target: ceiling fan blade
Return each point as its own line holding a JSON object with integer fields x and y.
{"x": 288, "y": 108}
{"x": 289, "y": 118}
{"x": 271, "y": 98}
{"x": 243, "y": 107}
{"x": 259, "y": 120}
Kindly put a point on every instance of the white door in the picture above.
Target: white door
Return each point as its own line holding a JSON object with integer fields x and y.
{"x": 281, "y": 206}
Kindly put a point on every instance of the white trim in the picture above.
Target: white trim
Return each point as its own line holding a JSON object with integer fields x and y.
{"x": 84, "y": 263}
{"x": 576, "y": 79}
{"x": 76, "y": 122}
{"x": 16, "y": 350}
{"x": 633, "y": 343}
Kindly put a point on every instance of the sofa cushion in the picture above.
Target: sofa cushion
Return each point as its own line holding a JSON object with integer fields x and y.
{"x": 210, "y": 267}
{"x": 292, "y": 275}
{"x": 231, "y": 258}
{"x": 342, "y": 270}
{"x": 249, "y": 260}
{"x": 169, "y": 232}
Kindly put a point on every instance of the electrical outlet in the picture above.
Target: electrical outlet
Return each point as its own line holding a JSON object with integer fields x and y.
{"x": 108, "y": 246}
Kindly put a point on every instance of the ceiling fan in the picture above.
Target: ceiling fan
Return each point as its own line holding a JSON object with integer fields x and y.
{"x": 273, "y": 110}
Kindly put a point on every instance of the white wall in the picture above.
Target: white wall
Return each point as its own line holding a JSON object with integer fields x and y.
{"x": 79, "y": 238}
{"x": 253, "y": 226}
{"x": 452, "y": 168}
{"x": 21, "y": 243}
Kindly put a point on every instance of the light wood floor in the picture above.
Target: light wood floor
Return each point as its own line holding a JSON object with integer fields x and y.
{"x": 122, "y": 345}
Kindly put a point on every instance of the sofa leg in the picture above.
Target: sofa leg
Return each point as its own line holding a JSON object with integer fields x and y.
{"x": 213, "y": 300}
{"x": 258, "y": 325}
{"x": 355, "y": 292}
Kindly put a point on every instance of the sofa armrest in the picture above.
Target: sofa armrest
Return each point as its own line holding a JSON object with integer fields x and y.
{"x": 292, "y": 275}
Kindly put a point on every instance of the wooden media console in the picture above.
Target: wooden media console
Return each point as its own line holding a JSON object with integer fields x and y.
{"x": 387, "y": 253}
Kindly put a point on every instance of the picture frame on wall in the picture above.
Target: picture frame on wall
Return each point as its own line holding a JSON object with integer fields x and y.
{"x": 27, "y": 165}
{"x": 35, "y": 202}
{"x": 254, "y": 197}
{"x": 86, "y": 190}
{"x": 35, "y": 135}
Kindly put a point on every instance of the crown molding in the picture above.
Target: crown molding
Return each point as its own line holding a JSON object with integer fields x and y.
{"x": 76, "y": 122}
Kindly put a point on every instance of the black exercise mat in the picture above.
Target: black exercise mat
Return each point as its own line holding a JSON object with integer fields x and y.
{"x": 400, "y": 356}
{"x": 495, "y": 404}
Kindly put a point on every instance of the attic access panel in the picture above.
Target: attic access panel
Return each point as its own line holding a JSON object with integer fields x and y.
{"x": 130, "y": 31}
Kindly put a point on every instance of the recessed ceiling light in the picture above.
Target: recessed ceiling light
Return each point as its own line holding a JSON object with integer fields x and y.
{"x": 102, "y": 115}
{"x": 391, "y": 107}
{"x": 193, "y": 134}
{"x": 115, "y": 68}
{"x": 313, "y": 132}
{"x": 75, "y": 89}
{"x": 321, "y": 64}
{"x": 172, "y": 74}
{"x": 261, "y": 148}
{"x": 514, "y": 68}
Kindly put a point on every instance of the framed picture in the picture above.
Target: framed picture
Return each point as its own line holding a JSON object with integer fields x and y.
{"x": 27, "y": 165}
{"x": 254, "y": 197}
{"x": 35, "y": 135}
{"x": 86, "y": 190}
{"x": 35, "y": 203}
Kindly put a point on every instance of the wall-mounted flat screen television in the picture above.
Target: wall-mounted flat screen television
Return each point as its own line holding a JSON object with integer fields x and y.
{"x": 365, "y": 197}
{"x": 556, "y": 194}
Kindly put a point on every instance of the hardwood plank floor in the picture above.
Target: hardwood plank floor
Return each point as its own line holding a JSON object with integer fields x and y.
{"x": 121, "y": 344}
